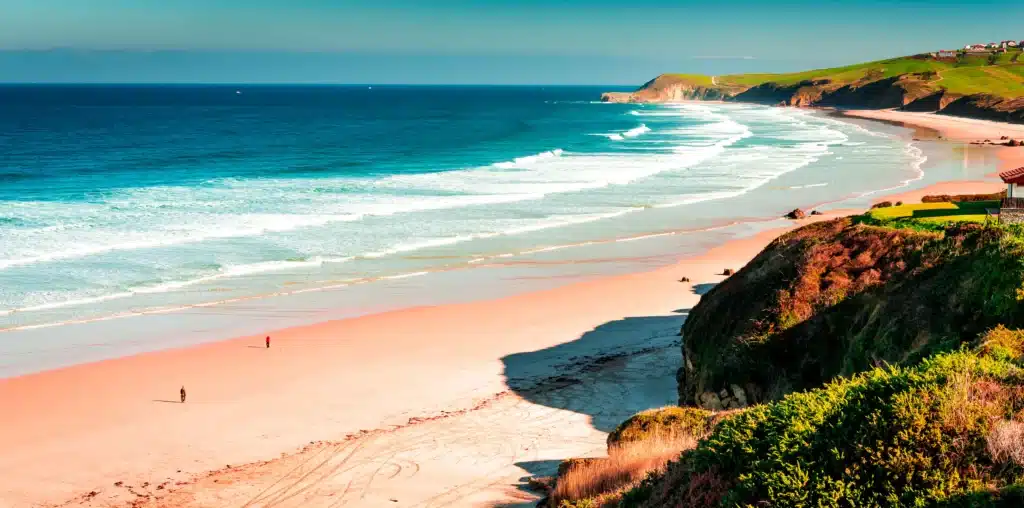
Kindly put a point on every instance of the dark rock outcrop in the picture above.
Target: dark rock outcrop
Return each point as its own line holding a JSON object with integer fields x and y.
{"x": 769, "y": 93}
{"x": 928, "y": 104}
{"x": 987, "y": 107}
{"x": 619, "y": 97}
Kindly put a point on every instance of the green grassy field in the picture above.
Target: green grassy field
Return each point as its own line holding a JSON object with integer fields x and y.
{"x": 1000, "y": 75}
{"x": 1006, "y": 81}
{"x": 695, "y": 79}
{"x": 847, "y": 74}
{"x": 932, "y": 214}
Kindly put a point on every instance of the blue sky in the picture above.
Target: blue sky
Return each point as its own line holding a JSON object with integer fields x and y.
{"x": 466, "y": 41}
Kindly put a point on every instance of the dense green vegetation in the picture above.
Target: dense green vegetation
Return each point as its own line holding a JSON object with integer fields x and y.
{"x": 838, "y": 297}
{"x": 661, "y": 422}
{"x": 886, "y": 354}
{"x": 944, "y": 431}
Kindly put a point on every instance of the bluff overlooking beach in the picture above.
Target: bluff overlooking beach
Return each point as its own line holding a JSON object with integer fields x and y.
{"x": 977, "y": 85}
{"x": 868, "y": 360}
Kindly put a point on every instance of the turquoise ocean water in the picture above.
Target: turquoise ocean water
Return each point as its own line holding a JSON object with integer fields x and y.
{"x": 119, "y": 202}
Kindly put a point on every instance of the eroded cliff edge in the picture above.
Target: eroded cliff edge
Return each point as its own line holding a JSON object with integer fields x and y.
{"x": 672, "y": 88}
{"x": 911, "y": 92}
{"x": 840, "y": 297}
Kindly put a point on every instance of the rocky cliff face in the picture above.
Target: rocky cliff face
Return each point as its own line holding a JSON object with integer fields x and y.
{"x": 667, "y": 88}
{"x": 986, "y": 107}
{"x": 806, "y": 93}
{"x": 878, "y": 94}
{"x": 909, "y": 91}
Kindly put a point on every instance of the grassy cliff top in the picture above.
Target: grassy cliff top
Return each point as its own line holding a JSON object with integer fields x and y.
{"x": 692, "y": 79}
{"x": 1001, "y": 75}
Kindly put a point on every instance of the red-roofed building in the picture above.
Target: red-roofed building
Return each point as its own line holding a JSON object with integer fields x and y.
{"x": 1012, "y": 207}
{"x": 1012, "y": 178}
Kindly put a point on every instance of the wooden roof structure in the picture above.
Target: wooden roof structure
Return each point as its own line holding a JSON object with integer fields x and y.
{"x": 1015, "y": 176}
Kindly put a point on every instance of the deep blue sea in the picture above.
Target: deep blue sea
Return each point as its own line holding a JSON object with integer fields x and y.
{"x": 127, "y": 200}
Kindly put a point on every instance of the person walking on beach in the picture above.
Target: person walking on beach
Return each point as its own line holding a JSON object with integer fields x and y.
{"x": 182, "y": 394}
{"x": 268, "y": 342}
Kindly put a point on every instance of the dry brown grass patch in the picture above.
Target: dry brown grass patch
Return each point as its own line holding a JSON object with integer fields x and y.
{"x": 627, "y": 464}
{"x": 1005, "y": 442}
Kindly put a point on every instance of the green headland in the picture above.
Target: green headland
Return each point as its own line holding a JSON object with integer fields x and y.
{"x": 986, "y": 84}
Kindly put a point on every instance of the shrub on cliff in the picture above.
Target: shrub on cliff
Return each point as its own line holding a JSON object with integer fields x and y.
{"x": 963, "y": 198}
{"x": 662, "y": 422}
{"x": 891, "y": 436}
{"x": 599, "y": 482}
{"x": 836, "y": 298}
{"x": 642, "y": 444}
{"x": 1002, "y": 342}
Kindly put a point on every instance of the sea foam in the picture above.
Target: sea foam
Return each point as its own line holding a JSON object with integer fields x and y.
{"x": 124, "y": 249}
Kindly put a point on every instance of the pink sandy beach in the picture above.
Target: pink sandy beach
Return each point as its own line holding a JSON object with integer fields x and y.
{"x": 436, "y": 406}
{"x": 958, "y": 129}
{"x": 72, "y": 431}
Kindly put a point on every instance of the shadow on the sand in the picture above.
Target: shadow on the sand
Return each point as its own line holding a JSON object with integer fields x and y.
{"x": 539, "y": 467}
{"x": 616, "y": 370}
{"x": 168, "y": 401}
{"x": 534, "y": 469}
{"x": 523, "y": 504}
{"x": 603, "y": 374}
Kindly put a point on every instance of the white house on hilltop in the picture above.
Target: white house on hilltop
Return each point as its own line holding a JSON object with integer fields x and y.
{"x": 982, "y": 48}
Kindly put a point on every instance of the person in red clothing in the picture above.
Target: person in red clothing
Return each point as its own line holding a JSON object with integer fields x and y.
{"x": 268, "y": 342}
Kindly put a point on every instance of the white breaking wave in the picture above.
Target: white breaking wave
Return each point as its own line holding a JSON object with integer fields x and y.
{"x": 71, "y": 303}
{"x": 660, "y": 113}
{"x": 551, "y": 223}
{"x": 631, "y": 133}
{"x": 636, "y": 131}
{"x": 259, "y": 225}
{"x": 223, "y": 273}
{"x": 242, "y": 270}
{"x": 693, "y": 154}
{"x": 918, "y": 163}
{"x": 519, "y": 162}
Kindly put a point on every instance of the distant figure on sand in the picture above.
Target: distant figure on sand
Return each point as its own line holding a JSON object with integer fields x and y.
{"x": 268, "y": 342}
{"x": 183, "y": 394}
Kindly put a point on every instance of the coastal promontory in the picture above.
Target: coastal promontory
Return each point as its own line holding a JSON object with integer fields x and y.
{"x": 978, "y": 85}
